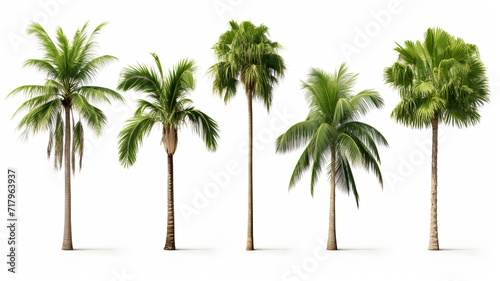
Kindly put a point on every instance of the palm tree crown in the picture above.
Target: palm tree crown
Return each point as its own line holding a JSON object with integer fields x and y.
{"x": 246, "y": 55}
{"x": 440, "y": 78}
{"x": 332, "y": 133}
{"x": 167, "y": 104}
{"x": 69, "y": 66}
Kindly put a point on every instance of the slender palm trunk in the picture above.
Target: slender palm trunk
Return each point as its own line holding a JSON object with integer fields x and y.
{"x": 170, "y": 243}
{"x": 67, "y": 237}
{"x": 433, "y": 240}
{"x": 332, "y": 236}
{"x": 250, "y": 173}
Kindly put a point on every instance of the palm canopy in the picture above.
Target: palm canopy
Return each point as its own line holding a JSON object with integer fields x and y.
{"x": 167, "y": 104}
{"x": 440, "y": 78}
{"x": 69, "y": 65}
{"x": 246, "y": 55}
{"x": 332, "y": 130}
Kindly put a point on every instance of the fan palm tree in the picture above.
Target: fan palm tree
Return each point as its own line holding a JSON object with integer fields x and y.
{"x": 167, "y": 105}
{"x": 69, "y": 66}
{"x": 333, "y": 136}
{"x": 440, "y": 81}
{"x": 247, "y": 56}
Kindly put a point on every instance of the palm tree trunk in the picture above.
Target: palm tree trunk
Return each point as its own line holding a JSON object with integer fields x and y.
{"x": 67, "y": 237}
{"x": 332, "y": 236}
{"x": 433, "y": 241}
{"x": 170, "y": 243}
{"x": 250, "y": 173}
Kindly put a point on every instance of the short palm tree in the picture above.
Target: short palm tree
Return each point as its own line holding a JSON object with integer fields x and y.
{"x": 63, "y": 104}
{"x": 167, "y": 105}
{"x": 333, "y": 136}
{"x": 247, "y": 56}
{"x": 440, "y": 80}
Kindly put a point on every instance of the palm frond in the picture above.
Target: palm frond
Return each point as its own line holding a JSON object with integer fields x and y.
{"x": 99, "y": 94}
{"x": 302, "y": 165}
{"x": 225, "y": 80}
{"x": 78, "y": 145}
{"x": 204, "y": 126}
{"x": 89, "y": 70}
{"x": 131, "y": 137}
{"x": 344, "y": 178}
{"x": 38, "y": 118}
{"x": 153, "y": 108}
{"x": 180, "y": 81}
{"x": 366, "y": 100}
{"x": 93, "y": 116}
{"x": 58, "y": 134}
{"x": 140, "y": 78}
{"x": 321, "y": 146}
{"x": 48, "y": 46}
{"x": 296, "y": 136}
{"x": 31, "y": 91}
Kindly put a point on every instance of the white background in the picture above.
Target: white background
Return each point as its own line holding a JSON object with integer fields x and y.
{"x": 119, "y": 215}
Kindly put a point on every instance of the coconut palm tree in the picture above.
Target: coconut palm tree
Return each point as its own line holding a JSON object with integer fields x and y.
{"x": 333, "y": 136}
{"x": 248, "y": 57}
{"x": 440, "y": 81}
{"x": 167, "y": 105}
{"x": 63, "y": 104}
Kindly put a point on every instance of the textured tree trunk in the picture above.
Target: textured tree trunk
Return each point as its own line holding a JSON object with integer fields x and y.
{"x": 170, "y": 243}
{"x": 332, "y": 236}
{"x": 433, "y": 239}
{"x": 250, "y": 173}
{"x": 67, "y": 237}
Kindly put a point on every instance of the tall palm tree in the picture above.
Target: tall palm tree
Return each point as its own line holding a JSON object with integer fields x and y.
{"x": 69, "y": 66}
{"x": 167, "y": 105}
{"x": 247, "y": 56}
{"x": 440, "y": 80}
{"x": 333, "y": 136}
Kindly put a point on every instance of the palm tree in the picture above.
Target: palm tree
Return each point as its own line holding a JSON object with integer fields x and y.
{"x": 167, "y": 105}
{"x": 440, "y": 80}
{"x": 333, "y": 136}
{"x": 246, "y": 55}
{"x": 69, "y": 66}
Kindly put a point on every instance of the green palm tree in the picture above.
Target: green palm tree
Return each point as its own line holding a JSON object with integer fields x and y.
{"x": 333, "y": 136}
{"x": 247, "y": 56}
{"x": 167, "y": 105}
{"x": 69, "y": 66}
{"x": 440, "y": 80}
